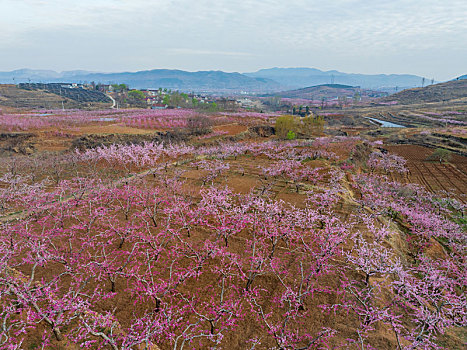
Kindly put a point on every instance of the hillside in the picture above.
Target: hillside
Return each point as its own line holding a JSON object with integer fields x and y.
{"x": 12, "y": 96}
{"x": 327, "y": 91}
{"x": 210, "y": 81}
{"x": 302, "y": 77}
{"x": 77, "y": 94}
{"x": 450, "y": 90}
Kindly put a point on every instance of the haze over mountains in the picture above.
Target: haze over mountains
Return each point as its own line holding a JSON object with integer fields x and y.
{"x": 304, "y": 77}
{"x": 262, "y": 81}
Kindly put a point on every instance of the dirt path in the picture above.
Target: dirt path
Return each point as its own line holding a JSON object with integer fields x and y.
{"x": 114, "y": 103}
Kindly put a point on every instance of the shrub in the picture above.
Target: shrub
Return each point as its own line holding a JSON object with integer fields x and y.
{"x": 198, "y": 125}
{"x": 441, "y": 155}
{"x": 136, "y": 95}
{"x": 284, "y": 124}
{"x": 307, "y": 126}
{"x": 312, "y": 126}
{"x": 291, "y": 135}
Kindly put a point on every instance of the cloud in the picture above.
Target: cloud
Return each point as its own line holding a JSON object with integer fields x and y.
{"x": 236, "y": 35}
{"x": 196, "y": 52}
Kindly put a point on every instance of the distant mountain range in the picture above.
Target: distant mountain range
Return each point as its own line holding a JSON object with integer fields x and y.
{"x": 203, "y": 81}
{"x": 302, "y": 77}
{"x": 39, "y": 75}
{"x": 262, "y": 81}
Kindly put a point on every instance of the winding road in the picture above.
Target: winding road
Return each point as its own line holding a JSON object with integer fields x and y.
{"x": 113, "y": 100}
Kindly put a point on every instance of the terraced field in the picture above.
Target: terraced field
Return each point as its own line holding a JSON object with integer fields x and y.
{"x": 450, "y": 177}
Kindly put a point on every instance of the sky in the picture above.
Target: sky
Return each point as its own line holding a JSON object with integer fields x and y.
{"x": 423, "y": 37}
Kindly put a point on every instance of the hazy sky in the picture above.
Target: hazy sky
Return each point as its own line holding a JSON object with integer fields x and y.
{"x": 424, "y": 37}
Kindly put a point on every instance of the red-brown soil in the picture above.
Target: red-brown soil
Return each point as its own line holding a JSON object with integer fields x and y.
{"x": 244, "y": 176}
{"x": 434, "y": 176}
